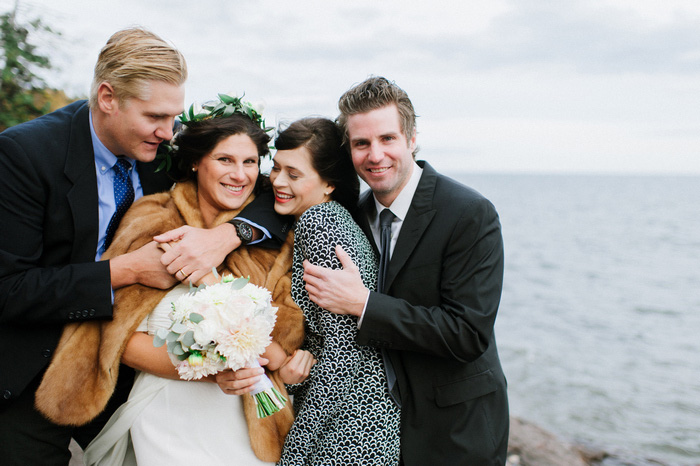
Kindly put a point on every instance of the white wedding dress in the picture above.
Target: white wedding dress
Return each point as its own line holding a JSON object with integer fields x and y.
{"x": 173, "y": 422}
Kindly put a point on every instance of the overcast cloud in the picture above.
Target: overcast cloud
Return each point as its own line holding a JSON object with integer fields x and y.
{"x": 607, "y": 86}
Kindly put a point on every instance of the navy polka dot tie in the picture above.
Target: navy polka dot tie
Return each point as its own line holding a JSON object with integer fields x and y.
{"x": 123, "y": 197}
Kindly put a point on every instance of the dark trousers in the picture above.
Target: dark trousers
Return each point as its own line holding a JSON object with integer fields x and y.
{"x": 27, "y": 438}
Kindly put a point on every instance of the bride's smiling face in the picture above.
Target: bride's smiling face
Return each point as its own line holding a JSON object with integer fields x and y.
{"x": 226, "y": 176}
{"x": 297, "y": 185}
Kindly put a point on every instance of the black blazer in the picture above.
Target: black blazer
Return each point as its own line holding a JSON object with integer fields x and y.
{"x": 436, "y": 322}
{"x": 48, "y": 239}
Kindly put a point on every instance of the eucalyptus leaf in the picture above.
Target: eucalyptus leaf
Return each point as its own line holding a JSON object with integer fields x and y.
{"x": 175, "y": 348}
{"x": 179, "y": 328}
{"x": 172, "y": 336}
{"x": 196, "y": 318}
{"x": 182, "y": 357}
{"x": 158, "y": 341}
{"x": 239, "y": 283}
{"x": 188, "y": 338}
{"x": 172, "y": 345}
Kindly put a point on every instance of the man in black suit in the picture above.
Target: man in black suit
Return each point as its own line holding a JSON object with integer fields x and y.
{"x": 434, "y": 317}
{"x": 56, "y": 201}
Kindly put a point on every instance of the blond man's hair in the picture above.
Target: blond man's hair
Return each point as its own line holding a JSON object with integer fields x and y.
{"x": 132, "y": 58}
{"x": 373, "y": 93}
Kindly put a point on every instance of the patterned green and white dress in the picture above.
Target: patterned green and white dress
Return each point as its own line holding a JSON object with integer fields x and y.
{"x": 344, "y": 413}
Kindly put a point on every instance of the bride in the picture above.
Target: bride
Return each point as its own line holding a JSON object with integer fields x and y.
{"x": 167, "y": 420}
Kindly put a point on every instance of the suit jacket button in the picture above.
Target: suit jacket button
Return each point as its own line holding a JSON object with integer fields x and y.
{"x": 46, "y": 353}
{"x": 71, "y": 316}
{"x": 7, "y": 394}
{"x": 92, "y": 312}
{"x": 85, "y": 313}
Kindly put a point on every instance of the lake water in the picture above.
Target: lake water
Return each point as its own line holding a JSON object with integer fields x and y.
{"x": 599, "y": 325}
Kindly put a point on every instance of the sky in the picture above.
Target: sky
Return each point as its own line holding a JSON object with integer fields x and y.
{"x": 499, "y": 86}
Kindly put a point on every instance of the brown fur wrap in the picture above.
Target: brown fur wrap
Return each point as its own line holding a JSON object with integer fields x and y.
{"x": 83, "y": 372}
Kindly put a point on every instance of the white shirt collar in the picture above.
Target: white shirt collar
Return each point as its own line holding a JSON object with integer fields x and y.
{"x": 403, "y": 201}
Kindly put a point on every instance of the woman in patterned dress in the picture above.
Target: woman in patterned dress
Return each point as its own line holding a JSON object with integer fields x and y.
{"x": 344, "y": 413}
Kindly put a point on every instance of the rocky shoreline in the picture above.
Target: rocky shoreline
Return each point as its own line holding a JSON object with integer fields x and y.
{"x": 531, "y": 445}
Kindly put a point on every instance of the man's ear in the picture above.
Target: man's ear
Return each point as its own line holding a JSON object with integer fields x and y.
{"x": 106, "y": 99}
{"x": 412, "y": 141}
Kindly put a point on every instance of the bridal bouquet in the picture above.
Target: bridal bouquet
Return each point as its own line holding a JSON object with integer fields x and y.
{"x": 223, "y": 326}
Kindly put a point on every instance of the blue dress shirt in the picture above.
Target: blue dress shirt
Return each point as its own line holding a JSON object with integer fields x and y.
{"x": 104, "y": 161}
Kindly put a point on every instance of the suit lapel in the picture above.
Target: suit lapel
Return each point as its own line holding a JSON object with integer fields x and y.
{"x": 82, "y": 197}
{"x": 366, "y": 208}
{"x": 419, "y": 216}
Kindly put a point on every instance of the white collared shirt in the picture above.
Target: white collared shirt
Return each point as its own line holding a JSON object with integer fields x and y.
{"x": 399, "y": 208}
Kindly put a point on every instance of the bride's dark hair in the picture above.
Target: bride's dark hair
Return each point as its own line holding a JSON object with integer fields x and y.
{"x": 197, "y": 139}
{"x": 329, "y": 158}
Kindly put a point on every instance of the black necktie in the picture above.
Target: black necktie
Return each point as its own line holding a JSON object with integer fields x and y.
{"x": 123, "y": 197}
{"x": 386, "y": 217}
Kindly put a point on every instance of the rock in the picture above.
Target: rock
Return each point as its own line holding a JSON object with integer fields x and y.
{"x": 530, "y": 445}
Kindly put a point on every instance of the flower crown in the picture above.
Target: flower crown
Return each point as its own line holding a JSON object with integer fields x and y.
{"x": 226, "y": 106}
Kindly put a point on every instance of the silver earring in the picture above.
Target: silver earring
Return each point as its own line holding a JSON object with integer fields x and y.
{"x": 194, "y": 169}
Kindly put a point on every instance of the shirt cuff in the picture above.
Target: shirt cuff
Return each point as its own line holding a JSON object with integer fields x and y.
{"x": 265, "y": 232}
{"x": 362, "y": 316}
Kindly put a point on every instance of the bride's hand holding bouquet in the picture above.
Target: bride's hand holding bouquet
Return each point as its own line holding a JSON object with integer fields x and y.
{"x": 223, "y": 326}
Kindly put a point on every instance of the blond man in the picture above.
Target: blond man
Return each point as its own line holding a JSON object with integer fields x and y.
{"x": 67, "y": 178}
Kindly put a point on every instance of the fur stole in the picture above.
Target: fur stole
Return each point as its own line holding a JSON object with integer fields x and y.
{"x": 83, "y": 372}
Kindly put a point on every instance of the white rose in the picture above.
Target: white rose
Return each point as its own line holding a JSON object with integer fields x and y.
{"x": 235, "y": 310}
{"x": 205, "y": 332}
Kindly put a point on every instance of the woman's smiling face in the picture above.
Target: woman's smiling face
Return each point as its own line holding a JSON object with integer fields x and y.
{"x": 296, "y": 183}
{"x": 226, "y": 176}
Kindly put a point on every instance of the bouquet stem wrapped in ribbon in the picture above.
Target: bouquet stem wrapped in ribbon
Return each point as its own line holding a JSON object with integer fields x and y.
{"x": 223, "y": 326}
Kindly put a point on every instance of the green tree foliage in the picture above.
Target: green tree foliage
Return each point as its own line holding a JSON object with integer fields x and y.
{"x": 23, "y": 94}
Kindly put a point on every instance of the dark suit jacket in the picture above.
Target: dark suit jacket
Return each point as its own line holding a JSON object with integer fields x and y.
{"x": 436, "y": 321}
{"x": 48, "y": 239}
